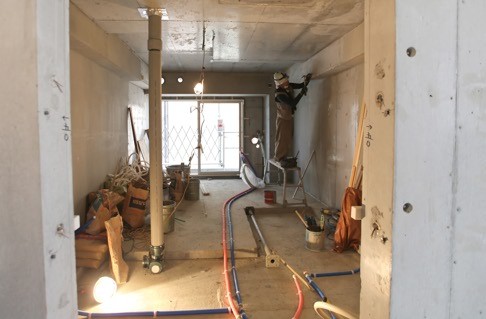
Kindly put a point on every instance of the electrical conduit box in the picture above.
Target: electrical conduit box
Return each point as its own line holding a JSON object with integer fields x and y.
{"x": 357, "y": 212}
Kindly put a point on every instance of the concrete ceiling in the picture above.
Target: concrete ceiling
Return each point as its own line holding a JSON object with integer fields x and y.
{"x": 240, "y": 35}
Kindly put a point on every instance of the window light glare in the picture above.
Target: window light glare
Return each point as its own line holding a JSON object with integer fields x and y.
{"x": 104, "y": 289}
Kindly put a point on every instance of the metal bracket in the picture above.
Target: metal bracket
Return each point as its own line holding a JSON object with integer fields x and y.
{"x": 272, "y": 261}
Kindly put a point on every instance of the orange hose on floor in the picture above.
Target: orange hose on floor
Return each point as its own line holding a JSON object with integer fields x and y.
{"x": 301, "y": 299}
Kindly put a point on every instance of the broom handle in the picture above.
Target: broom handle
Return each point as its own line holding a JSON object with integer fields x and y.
{"x": 300, "y": 217}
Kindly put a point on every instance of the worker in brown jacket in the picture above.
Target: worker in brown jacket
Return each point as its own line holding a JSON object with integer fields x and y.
{"x": 286, "y": 106}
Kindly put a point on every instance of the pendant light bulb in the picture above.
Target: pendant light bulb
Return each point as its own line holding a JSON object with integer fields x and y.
{"x": 199, "y": 88}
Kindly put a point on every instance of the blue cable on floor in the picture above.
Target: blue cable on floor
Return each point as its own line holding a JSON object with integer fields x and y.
{"x": 232, "y": 249}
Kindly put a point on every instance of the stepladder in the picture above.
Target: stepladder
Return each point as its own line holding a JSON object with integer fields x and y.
{"x": 299, "y": 185}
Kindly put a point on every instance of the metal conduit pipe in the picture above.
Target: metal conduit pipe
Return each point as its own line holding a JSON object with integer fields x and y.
{"x": 250, "y": 211}
{"x": 271, "y": 259}
{"x": 337, "y": 273}
{"x": 155, "y": 260}
{"x": 155, "y": 314}
{"x": 232, "y": 251}
{"x": 234, "y": 274}
{"x": 226, "y": 211}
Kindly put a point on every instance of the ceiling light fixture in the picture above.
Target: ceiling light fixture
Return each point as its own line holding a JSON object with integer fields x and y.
{"x": 179, "y": 79}
{"x": 199, "y": 87}
{"x": 162, "y": 80}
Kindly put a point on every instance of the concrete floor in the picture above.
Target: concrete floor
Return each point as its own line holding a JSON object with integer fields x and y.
{"x": 193, "y": 277}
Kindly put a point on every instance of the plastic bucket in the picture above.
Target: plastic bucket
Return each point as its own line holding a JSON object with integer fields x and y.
{"x": 270, "y": 197}
{"x": 168, "y": 223}
{"x": 192, "y": 192}
{"x": 314, "y": 240}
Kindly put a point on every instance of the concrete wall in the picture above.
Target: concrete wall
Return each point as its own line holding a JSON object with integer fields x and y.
{"x": 439, "y": 161}
{"x": 425, "y": 107}
{"x": 326, "y": 119}
{"x": 424, "y": 160}
{"x": 101, "y": 68}
{"x": 378, "y": 159}
{"x": 468, "y": 244}
{"x": 37, "y": 268}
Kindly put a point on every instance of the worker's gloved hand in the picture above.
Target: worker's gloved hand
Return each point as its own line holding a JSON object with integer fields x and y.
{"x": 307, "y": 78}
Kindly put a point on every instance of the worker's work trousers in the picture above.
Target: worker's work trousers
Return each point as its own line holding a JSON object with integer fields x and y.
{"x": 283, "y": 137}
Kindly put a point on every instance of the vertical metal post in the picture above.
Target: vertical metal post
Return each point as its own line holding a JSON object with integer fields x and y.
{"x": 155, "y": 260}
{"x": 200, "y": 105}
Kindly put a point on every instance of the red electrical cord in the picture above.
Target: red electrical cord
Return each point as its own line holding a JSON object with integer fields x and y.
{"x": 301, "y": 299}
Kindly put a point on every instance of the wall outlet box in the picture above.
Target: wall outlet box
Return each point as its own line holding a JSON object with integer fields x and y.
{"x": 357, "y": 212}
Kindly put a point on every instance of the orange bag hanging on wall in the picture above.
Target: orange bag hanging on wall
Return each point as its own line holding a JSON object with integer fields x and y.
{"x": 134, "y": 206}
{"x": 348, "y": 230}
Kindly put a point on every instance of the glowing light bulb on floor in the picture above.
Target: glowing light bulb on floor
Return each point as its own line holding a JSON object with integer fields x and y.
{"x": 104, "y": 289}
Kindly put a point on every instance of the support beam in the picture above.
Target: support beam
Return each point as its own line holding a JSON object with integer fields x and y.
{"x": 340, "y": 55}
{"x": 105, "y": 49}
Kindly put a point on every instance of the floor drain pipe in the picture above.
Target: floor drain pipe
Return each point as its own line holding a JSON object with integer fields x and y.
{"x": 271, "y": 259}
{"x": 155, "y": 260}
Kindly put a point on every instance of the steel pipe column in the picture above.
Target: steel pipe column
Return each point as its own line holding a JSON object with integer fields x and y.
{"x": 155, "y": 260}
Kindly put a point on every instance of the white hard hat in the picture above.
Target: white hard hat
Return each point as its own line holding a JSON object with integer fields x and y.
{"x": 280, "y": 78}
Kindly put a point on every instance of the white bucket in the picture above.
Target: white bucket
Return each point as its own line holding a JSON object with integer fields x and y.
{"x": 314, "y": 240}
{"x": 167, "y": 210}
